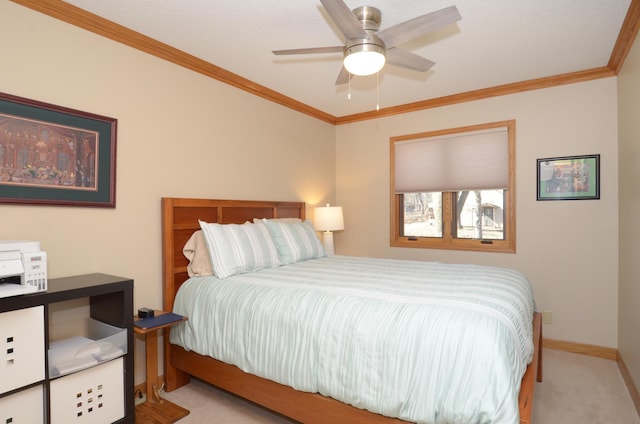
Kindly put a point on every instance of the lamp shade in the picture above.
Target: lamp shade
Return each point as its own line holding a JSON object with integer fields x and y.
{"x": 328, "y": 218}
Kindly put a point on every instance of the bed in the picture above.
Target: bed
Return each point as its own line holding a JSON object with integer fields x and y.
{"x": 179, "y": 221}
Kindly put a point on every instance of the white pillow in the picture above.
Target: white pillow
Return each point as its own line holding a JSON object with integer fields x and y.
{"x": 295, "y": 241}
{"x": 239, "y": 248}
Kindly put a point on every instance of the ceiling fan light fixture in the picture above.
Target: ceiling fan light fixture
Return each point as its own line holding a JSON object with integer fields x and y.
{"x": 364, "y": 59}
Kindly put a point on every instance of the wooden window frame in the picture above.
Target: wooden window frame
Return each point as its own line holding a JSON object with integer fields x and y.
{"x": 448, "y": 241}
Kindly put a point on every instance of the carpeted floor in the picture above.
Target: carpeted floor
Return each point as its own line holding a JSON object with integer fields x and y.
{"x": 576, "y": 389}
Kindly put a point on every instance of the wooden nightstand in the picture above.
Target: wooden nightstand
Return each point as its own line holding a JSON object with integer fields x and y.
{"x": 156, "y": 410}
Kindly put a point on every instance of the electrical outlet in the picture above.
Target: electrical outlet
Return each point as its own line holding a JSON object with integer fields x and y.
{"x": 547, "y": 317}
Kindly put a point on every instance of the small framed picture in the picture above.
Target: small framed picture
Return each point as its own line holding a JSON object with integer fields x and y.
{"x": 569, "y": 178}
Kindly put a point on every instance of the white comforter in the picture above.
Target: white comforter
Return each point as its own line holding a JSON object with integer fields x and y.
{"x": 421, "y": 341}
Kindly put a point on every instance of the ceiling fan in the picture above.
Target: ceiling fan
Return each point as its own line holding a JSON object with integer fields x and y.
{"x": 367, "y": 48}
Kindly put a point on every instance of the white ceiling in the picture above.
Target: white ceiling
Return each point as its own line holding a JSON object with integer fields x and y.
{"x": 496, "y": 42}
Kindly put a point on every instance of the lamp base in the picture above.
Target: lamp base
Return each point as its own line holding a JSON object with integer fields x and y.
{"x": 327, "y": 239}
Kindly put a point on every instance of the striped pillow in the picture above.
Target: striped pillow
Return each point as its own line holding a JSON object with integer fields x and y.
{"x": 295, "y": 241}
{"x": 239, "y": 248}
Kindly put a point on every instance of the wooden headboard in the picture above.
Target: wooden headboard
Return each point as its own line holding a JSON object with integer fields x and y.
{"x": 180, "y": 220}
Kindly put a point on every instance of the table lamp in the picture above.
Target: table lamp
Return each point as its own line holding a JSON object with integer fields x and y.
{"x": 328, "y": 219}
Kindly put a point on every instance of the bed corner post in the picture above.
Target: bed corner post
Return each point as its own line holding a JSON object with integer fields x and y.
{"x": 540, "y": 344}
{"x": 173, "y": 378}
{"x": 533, "y": 373}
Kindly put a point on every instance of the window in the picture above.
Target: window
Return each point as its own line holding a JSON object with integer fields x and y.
{"x": 455, "y": 189}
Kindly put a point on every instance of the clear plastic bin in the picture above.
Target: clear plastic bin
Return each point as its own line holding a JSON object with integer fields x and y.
{"x": 100, "y": 343}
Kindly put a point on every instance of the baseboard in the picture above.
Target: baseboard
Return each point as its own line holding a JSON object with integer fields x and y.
{"x": 626, "y": 375}
{"x": 581, "y": 348}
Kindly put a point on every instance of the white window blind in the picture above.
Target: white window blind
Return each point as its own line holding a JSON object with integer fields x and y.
{"x": 475, "y": 160}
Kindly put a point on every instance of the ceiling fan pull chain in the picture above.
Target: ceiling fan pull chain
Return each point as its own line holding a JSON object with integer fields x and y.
{"x": 349, "y": 91}
{"x": 377, "y": 90}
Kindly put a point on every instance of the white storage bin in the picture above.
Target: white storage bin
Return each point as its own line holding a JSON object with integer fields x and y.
{"x": 99, "y": 343}
{"x": 26, "y": 406}
{"x": 92, "y": 396}
{"x": 21, "y": 348}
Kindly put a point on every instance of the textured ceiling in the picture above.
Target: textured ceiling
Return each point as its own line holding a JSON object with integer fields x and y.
{"x": 496, "y": 42}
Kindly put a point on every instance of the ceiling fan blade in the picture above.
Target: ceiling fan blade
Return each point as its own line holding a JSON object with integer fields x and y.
{"x": 414, "y": 28}
{"x": 343, "y": 77}
{"x": 311, "y": 50}
{"x": 399, "y": 57}
{"x": 344, "y": 18}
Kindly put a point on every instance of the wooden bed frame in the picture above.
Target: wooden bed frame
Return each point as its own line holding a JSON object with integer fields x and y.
{"x": 179, "y": 220}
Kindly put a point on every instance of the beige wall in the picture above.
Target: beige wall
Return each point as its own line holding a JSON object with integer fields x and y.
{"x": 629, "y": 174}
{"x": 568, "y": 249}
{"x": 179, "y": 134}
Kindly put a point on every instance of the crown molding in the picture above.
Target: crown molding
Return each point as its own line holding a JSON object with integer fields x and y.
{"x": 78, "y": 17}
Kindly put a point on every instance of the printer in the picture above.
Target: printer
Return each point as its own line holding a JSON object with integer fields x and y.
{"x": 23, "y": 268}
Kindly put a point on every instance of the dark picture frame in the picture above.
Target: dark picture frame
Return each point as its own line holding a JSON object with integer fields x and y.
{"x": 568, "y": 178}
{"x": 54, "y": 155}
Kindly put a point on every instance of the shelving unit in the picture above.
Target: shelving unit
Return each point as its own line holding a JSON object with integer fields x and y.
{"x": 98, "y": 394}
